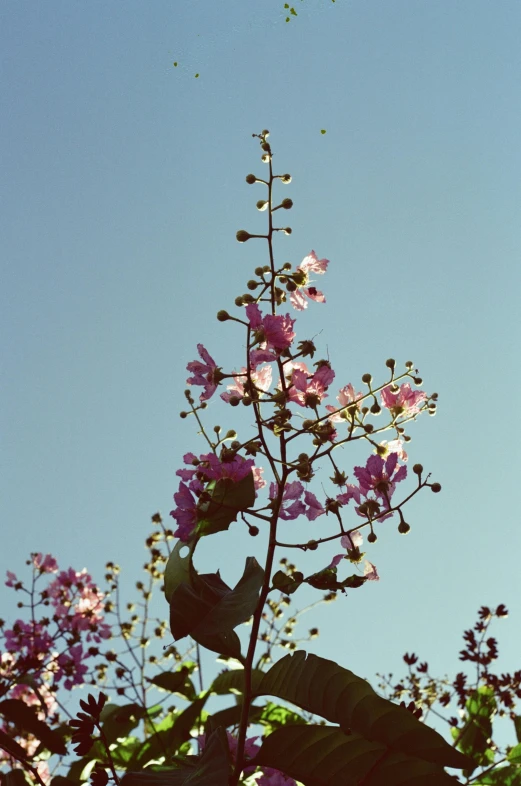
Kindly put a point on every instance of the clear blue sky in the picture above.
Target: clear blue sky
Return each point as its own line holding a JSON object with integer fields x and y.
{"x": 122, "y": 189}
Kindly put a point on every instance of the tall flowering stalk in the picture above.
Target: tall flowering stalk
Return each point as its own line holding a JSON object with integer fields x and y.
{"x": 294, "y": 429}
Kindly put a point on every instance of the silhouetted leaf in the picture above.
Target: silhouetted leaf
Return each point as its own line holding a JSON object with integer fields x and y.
{"x": 327, "y": 756}
{"x": 324, "y": 688}
{"x": 26, "y": 718}
{"x": 175, "y": 682}
{"x": 228, "y": 499}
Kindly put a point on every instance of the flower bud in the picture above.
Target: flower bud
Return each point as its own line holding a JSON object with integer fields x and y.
{"x": 371, "y": 538}
{"x": 417, "y": 380}
{"x": 287, "y": 204}
{"x": 262, "y": 204}
{"x": 286, "y": 179}
{"x": 248, "y": 298}
{"x": 287, "y": 230}
{"x": 312, "y": 545}
{"x": 251, "y": 179}
{"x": 183, "y": 415}
{"x": 291, "y": 286}
{"x": 390, "y": 363}
{"x": 222, "y": 315}
{"x": 253, "y": 531}
{"x": 368, "y": 428}
{"x": 242, "y": 236}
{"x": 265, "y": 146}
{"x": 239, "y": 301}
{"x": 376, "y": 408}
{"x": 258, "y": 271}
{"x": 403, "y": 528}
{"x": 252, "y": 284}
{"x": 232, "y": 434}
{"x": 266, "y": 269}
{"x": 265, "y": 133}
{"x": 367, "y": 379}
{"x": 436, "y": 487}
{"x": 265, "y": 158}
{"x": 313, "y": 633}
{"x": 409, "y": 364}
{"x": 246, "y": 400}
{"x": 217, "y": 429}
{"x": 234, "y": 401}
{"x": 417, "y": 469}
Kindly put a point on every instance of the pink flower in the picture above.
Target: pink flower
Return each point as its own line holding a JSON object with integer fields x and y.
{"x": 349, "y": 400}
{"x": 292, "y": 493}
{"x": 315, "y": 509}
{"x": 404, "y": 401}
{"x": 393, "y": 446}
{"x": 310, "y": 392}
{"x": 79, "y": 604}
{"x": 353, "y": 540}
{"x": 309, "y": 264}
{"x": 271, "y": 331}
{"x": 11, "y": 579}
{"x": 261, "y": 379}
{"x": 215, "y": 469}
{"x": 185, "y": 513}
{"x": 45, "y": 564}
{"x": 370, "y": 572}
{"x": 71, "y": 666}
{"x": 207, "y": 374}
{"x": 380, "y": 476}
{"x": 271, "y": 777}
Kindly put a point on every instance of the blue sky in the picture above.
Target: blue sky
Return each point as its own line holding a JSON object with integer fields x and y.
{"x": 122, "y": 189}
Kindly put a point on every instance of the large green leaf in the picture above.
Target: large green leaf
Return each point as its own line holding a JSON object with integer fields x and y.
{"x": 210, "y": 769}
{"x": 231, "y": 716}
{"x": 324, "y": 688}
{"x": 179, "y": 568}
{"x": 232, "y": 681}
{"x": 26, "y": 718}
{"x": 327, "y": 756}
{"x": 514, "y": 756}
{"x": 474, "y": 738}
{"x": 228, "y": 499}
{"x": 274, "y": 716}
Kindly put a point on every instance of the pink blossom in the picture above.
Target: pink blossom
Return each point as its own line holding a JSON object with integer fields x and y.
{"x": 271, "y": 777}
{"x": 310, "y": 392}
{"x": 315, "y": 509}
{"x": 215, "y": 469}
{"x": 292, "y": 493}
{"x": 260, "y": 378}
{"x": 79, "y": 604}
{"x": 185, "y": 513}
{"x": 370, "y": 572}
{"x": 381, "y": 476}
{"x": 45, "y": 564}
{"x": 207, "y": 374}
{"x": 351, "y": 492}
{"x": 271, "y": 331}
{"x": 393, "y": 446}
{"x": 11, "y": 579}
{"x": 261, "y": 356}
{"x": 309, "y": 264}
{"x": 71, "y": 666}
{"x": 348, "y": 400}
{"x": 404, "y": 401}
{"x": 353, "y": 540}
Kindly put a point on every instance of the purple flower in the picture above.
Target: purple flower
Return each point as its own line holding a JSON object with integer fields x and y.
{"x": 207, "y": 374}
{"x": 271, "y": 331}
{"x": 404, "y": 401}
{"x": 315, "y": 509}
{"x": 309, "y": 264}
{"x": 292, "y": 493}
{"x": 380, "y": 476}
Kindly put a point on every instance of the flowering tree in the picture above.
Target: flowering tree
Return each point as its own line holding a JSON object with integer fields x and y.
{"x": 341, "y": 731}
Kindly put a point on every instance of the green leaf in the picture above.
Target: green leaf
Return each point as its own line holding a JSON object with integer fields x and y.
{"x": 474, "y": 738}
{"x": 210, "y": 769}
{"x": 232, "y": 681}
{"x": 500, "y": 776}
{"x": 26, "y": 718}
{"x": 179, "y": 568}
{"x": 327, "y": 756}
{"x": 231, "y": 716}
{"x": 208, "y": 609}
{"x": 514, "y": 755}
{"x": 183, "y": 725}
{"x": 228, "y": 499}
{"x": 119, "y": 721}
{"x": 324, "y": 688}
{"x": 274, "y": 716}
{"x": 124, "y": 750}
{"x": 156, "y": 746}
{"x": 287, "y": 584}
{"x": 176, "y": 682}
